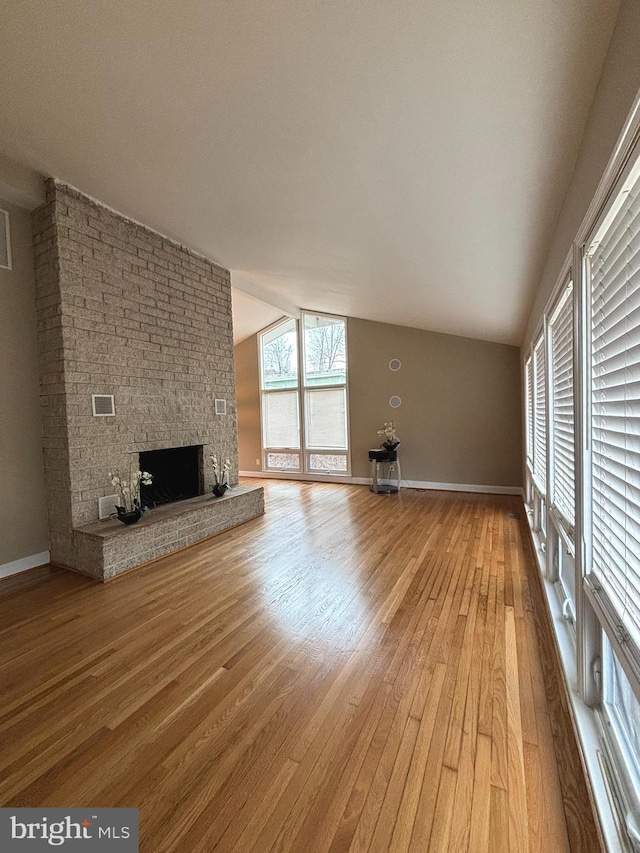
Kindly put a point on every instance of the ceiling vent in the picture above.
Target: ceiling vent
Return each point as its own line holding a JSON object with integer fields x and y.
{"x": 103, "y": 405}
{"x": 5, "y": 241}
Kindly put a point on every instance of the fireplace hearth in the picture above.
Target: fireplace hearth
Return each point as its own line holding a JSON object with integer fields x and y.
{"x": 177, "y": 475}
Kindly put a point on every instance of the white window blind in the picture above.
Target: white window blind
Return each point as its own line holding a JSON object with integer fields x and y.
{"x": 281, "y": 419}
{"x": 562, "y": 444}
{"x": 540, "y": 417}
{"x": 614, "y": 263}
{"x": 528, "y": 379}
{"x": 326, "y": 410}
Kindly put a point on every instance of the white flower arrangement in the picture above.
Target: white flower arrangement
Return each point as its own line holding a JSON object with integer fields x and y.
{"x": 388, "y": 434}
{"x": 221, "y": 475}
{"x": 129, "y": 488}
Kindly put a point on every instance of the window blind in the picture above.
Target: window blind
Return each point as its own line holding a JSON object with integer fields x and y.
{"x": 562, "y": 444}
{"x": 540, "y": 418}
{"x": 280, "y": 413}
{"x": 614, "y": 263}
{"x": 326, "y": 410}
{"x": 528, "y": 379}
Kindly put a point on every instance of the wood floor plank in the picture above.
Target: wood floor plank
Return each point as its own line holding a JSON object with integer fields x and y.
{"x": 405, "y": 819}
{"x": 499, "y": 820}
{"x": 499, "y": 772}
{"x": 348, "y": 672}
{"x": 481, "y": 805}
{"x": 518, "y": 818}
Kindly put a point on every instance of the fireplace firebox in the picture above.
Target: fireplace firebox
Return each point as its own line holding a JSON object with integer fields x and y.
{"x": 177, "y": 475}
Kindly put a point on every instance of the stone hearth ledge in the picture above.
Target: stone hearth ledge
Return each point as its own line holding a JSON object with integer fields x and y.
{"x": 105, "y": 549}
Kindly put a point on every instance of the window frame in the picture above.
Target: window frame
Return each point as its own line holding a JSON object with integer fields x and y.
{"x": 529, "y": 417}
{"x": 540, "y": 472}
{"x": 538, "y": 505}
{"x": 600, "y": 634}
{"x": 628, "y": 654}
{"x": 305, "y": 387}
{"x": 266, "y": 449}
{"x": 304, "y": 452}
{"x": 566, "y": 296}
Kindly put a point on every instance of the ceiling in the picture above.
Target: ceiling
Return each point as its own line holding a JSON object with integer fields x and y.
{"x": 400, "y": 161}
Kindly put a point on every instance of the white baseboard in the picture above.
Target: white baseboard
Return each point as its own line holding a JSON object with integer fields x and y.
{"x": 366, "y": 481}
{"x": 25, "y": 563}
{"x": 463, "y": 487}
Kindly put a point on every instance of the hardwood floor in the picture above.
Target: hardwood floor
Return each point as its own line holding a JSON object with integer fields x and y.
{"x": 350, "y": 672}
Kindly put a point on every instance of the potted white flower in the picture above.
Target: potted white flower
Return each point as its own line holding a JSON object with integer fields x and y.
{"x": 130, "y": 508}
{"x": 220, "y": 475}
{"x": 388, "y": 434}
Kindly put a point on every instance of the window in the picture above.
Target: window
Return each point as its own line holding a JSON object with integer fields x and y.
{"x": 613, "y": 267}
{"x": 528, "y": 400}
{"x": 325, "y": 393}
{"x": 280, "y": 397}
{"x": 567, "y": 579}
{"x": 304, "y": 395}
{"x": 562, "y": 419}
{"x": 622, "y": 709}
{"x": 540, "y": 417}
{"x": 621, "y": 733}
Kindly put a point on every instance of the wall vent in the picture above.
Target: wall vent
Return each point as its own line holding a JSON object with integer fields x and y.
{"x": 103, "y": 405}
{"x": 221, "y": 407}
{"x": 107, "y": 506}
{"x": 5, "y": 241}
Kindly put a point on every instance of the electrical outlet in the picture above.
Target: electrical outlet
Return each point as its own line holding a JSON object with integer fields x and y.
{"x": 257, "y": 461}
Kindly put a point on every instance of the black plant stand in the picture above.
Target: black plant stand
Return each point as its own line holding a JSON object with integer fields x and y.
{"x": 385, "y": 471}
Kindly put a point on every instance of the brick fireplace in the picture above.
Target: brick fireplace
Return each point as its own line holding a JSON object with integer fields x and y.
{"x": 124, "y": 311}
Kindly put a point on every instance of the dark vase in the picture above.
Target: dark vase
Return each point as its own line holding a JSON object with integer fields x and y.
{"x": 128, "y": 517}
{"x": 219, "y": 489}
{"x": 390, "y": 445}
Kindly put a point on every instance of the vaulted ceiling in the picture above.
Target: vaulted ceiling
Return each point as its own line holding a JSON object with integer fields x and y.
{"x": 401, "y": 161}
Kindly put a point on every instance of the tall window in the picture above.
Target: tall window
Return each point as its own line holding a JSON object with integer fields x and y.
{"x": 528, "y": 401}
{"x": 562, "y": 417}
{"x": 325, "y": 393}
{"x": 281, "y": 437}
{"x": 304, "y": 395}
{"x": 613, "y": 278}
{"x": 613, "y": 261}
{"x": 540, "y": 417}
